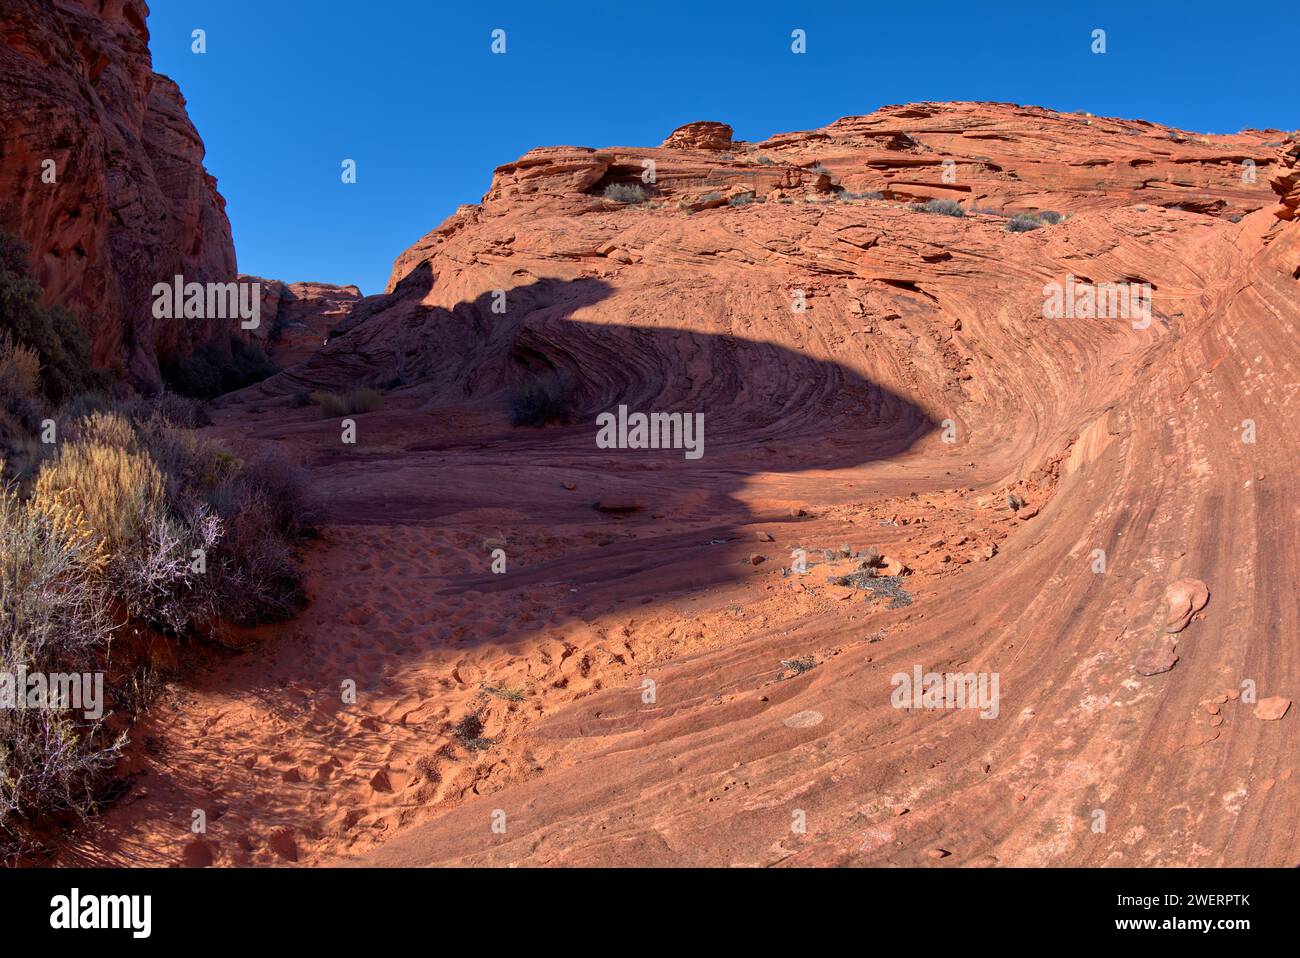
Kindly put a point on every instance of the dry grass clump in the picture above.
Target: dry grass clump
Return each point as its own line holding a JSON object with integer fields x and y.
{"x": 941, "y": 207}
{"x": 116, "y": 491}
{"x": 1023, "y": 223}
{"x": 631, "y": 193}
{"x": 333, "y": 405}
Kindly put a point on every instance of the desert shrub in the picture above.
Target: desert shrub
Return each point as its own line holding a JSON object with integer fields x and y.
{"x": 626, "y": 193}
{"x": 157, "y": 580}
{"x": 1023, "y": 223}
{"x": 114, "y": 491}
{"x": 176, "y": 410}
{"x": 20, "y": 367}
{"x": 766, "y": 161}
{"x": 83, "y": 404}
{"x": 189, "y": 465}
{"x": 941, "y": 207}
{"x": 1050, "y": 216}
{"x": 247, "y": 516}
{"x": 20, "y": 407}
{"x": 264, "y": 507}
{"x": 105, "y": 429}
{"x": 292, "y": 507}
{"x": 53, "y": 618}
{"x": 544, "y": 399}
{"x": 740, "y": 199}
{"x": 53, "y": 335}
{"x": 333, "y": 405}
{"x": 219, "y": 366}
{"x": 21, "y": 458}
{"x": 147, "y": 509}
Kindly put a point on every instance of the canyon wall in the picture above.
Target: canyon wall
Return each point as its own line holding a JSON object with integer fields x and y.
{"x": 130, "y": 203}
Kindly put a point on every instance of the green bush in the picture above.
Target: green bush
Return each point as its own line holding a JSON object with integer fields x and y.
{"x": 58, "y": 340}
{"x": 219, "y": 366}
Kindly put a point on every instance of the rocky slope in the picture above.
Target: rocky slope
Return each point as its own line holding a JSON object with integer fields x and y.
{"x": 131, "y": 204}
{"x": 835, "y": 341}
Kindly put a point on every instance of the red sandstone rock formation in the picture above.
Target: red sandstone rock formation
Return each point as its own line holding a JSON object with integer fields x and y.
{"x": 704, "y": 135}
{"x": 297, "y": 318}
{"x": 1287, "y": 181}
{"x": 833, "y": 341}
{"x": 132, "y": 204}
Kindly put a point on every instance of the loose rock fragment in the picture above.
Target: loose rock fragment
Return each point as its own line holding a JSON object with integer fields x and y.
{"x": 1183, "y": 599}
{"x": 1273, "y": 708}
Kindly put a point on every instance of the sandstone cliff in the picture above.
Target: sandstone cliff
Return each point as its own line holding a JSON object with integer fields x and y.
{"x": 297, "y": 318}
{"x": 131, "y": 204}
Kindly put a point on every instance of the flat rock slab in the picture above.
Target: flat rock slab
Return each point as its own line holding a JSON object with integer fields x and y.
{"x": 1273, "y": 708}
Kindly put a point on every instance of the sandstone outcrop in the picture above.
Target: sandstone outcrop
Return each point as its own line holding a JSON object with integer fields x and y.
{"x": 297, "y": 318}
{"x": 703, "y": 135}
{"x": 872, "y": 374}
{"x": 130, "y": 203}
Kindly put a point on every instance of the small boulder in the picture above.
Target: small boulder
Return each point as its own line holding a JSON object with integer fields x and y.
{"x": 1273, "y": 708}
{"x": 1183, "y": 599}
{"x": 892, "y": 566}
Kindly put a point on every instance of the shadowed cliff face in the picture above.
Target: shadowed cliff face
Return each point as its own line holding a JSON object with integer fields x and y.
{"x": 131, "y": 204}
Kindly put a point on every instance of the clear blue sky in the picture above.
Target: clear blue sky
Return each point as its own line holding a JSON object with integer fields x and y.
{"x": 410, "y": 89}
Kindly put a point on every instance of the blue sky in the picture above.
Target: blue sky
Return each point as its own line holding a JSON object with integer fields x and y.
{"x": 410, "y": 89}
